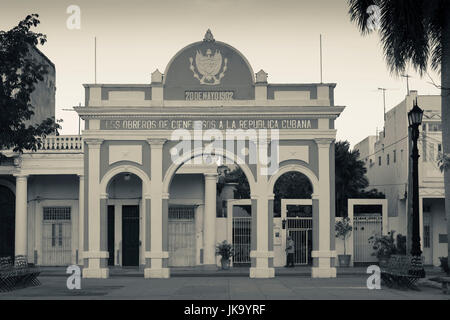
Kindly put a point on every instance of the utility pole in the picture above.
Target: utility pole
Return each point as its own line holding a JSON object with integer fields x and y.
{"x": 95, "y": 60}
{"x": 407, "y": 76}
{"x": 321, "y": 75}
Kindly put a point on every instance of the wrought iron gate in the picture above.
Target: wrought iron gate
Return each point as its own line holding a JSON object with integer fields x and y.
{"x": 365, "y": 226}
{"x": 300, "y": 229}
{"x": 181, "y": 236}
{"x": 242, "y": 233}
{"x": 56, "y": 236}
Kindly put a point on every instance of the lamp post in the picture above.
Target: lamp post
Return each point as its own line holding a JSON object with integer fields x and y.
{"x": 415, "y": 120}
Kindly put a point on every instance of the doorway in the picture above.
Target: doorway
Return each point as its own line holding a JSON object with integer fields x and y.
{"x": 297, "y": 218}
{"x": 182, "y": 236}
{"x": 7, "y": 222}
{"x": 111, "y": 221}
{"x": 130, "y": 236}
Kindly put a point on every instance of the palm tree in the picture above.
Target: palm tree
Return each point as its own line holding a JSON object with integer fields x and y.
{"x": 416, "y": 33}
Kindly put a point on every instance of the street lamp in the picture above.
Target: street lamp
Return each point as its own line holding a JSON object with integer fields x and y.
{"x": 415, "y": 120}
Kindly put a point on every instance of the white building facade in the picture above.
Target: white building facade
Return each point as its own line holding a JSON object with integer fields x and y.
{"x": 138, "y": 187}
{"x": 387, "y": 158}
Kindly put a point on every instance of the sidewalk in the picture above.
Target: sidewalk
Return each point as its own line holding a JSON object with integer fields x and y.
{"x": 220, "y": 288}
{"x": 200, "y": 271}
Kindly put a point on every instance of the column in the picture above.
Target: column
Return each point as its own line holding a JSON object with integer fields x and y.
{"x": 97, "y": 254}
{"x": 156, "y": 250}
{"x": 80, "y": 219}
{"x": 209, "y": 220}
{"x": 261, "y": 251}
{"x": 323, "y": 264}
{"x": 21, "y": 239}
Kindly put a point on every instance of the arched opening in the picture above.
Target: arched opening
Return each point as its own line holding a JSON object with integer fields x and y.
{"x": 124, "y": 215}
{"x": 291, "y": 185}
{"x": 293, "y": 204}
{"x": 197, "y": 209}
{"x": 7, "y": 222}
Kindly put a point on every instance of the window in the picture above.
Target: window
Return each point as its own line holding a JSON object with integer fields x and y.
{"x": 424, "y": 127}
{"x": 439, "y": 148}
{"x": 387, "y": 159}
{"x": 56, "y": 213}
{"x": 401, "y": 154}
{"x": 395, "y": 156}
{"x": 379, "y": 161}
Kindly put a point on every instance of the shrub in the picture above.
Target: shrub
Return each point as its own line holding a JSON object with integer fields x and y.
{"x": 225, "y": 250}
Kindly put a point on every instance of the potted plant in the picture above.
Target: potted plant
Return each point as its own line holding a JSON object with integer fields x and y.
{"x": 225, "y": 250}
{"x": 343, "y": 229}
{"x": 384, "y": 246}
{"x": 444, "y": 265}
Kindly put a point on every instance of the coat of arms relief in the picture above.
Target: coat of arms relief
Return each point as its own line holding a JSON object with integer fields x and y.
{"x": 209, "y": 66}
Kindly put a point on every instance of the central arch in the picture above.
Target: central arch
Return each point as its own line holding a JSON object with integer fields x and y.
{"x": 170, "y": 173}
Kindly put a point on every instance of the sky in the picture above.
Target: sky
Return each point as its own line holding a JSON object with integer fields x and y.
{"x": 136, "y": 37}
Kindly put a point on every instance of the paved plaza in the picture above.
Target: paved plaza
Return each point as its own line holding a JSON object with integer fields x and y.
{"x": 220, "y": 288}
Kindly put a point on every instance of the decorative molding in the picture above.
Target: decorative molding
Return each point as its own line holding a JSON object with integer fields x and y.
{"x": 323, "y": 254}
{"x": 131, "y": 153}
{"x": 20, "y": 176}
{"x": 156, "y": 143}
{"x": 95, "y": 254}
{"x": 262, "y": 254}
{"x": 156, "y": 255}
{"x": 94, "y": 142}
{"x": 208, "y": 36}
{"x": 324, "y": 142}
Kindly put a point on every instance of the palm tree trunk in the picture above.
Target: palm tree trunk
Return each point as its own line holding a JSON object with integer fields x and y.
{"x": 445, "y": 82}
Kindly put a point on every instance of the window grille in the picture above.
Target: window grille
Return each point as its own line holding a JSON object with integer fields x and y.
{"x": 56, "y": 213}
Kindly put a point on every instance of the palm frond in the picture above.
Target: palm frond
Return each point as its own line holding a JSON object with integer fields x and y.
{"x": 404, "y": 35}
{"x": 434, "y": 13}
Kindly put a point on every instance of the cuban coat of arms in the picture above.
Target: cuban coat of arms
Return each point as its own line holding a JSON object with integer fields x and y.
{"x": 209, "y": 67}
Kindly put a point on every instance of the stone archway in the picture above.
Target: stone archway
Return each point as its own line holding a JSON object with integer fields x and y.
{"x": 209, "y": 222}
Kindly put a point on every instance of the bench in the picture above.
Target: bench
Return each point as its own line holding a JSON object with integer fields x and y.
{"x": 402, "y": 271}
{"x": 444, "y": 281}
{"x": 19, "y": 274}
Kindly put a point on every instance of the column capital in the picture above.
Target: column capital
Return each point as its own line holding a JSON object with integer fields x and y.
{"x": 93, "y": 142}
{"x": 103, "y": 196}
{"x": 324, "y": 142}
{"x": 156, "y": 143}
{"x": 20, "y": 176}
{"x": 210, "y": 176}
{"x": 165, "y": 196}
{"x": 80, "y": 176}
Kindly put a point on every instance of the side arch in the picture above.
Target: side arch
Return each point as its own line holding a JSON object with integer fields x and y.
{"x": 123, "y": 169}
{"x": 298, "y": 168}
{"x": 198, "y": 152}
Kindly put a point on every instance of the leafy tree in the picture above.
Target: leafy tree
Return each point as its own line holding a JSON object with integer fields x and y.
{"x": 417, "y": 33}
{"x": 237, "y": 176}
{"x": 291, "y": 185}
{"x": 19, "y": 73}
{"x": 351, "y": 180}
